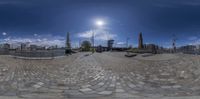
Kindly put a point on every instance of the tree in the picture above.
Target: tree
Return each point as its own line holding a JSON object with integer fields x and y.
{"x": 86, "y": 45}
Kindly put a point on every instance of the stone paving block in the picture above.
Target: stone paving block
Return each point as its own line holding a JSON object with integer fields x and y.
{"x": 101, "y": 84}
{"x": 134, "y": 92}
{"x": 166, "y": 87}
{"x": 85, "y": 89}
{"x": 119, "y": 90}
{"x": 95, "y": 87}
{"x": 72, "y": 92}
{"x": 85, "y": 86}
{"x": 100, "y": 89}
{"x": 55, "y": 90}
{"x": 112, "y": 85}
{"x": 125, "y": 96}
{"x": 84, "y": 96}
{"x": 131, "y": 85}
{"x": 40, "y": 83}
{"x": 176, "y": 86}
{"x": 75, "y": 88}
{"x": 90, "y": 92}
{"x": 118, "y": 84}
{"x": 36, "y": 86}
{"x": 105, "y": 92}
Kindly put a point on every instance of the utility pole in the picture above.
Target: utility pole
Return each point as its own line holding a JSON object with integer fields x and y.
{"x": 93, "y": 42}
{"x": 79, "y": 43}
{"x": 127, "y": 39}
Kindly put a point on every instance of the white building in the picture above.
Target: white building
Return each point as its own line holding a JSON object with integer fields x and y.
{"x": 198, "y": 47}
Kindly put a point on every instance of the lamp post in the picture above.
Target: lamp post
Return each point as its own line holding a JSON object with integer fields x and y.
{"x": 98, "y": 23}
{"x": 93, "y": 41}
{"x": 127, "y": 39}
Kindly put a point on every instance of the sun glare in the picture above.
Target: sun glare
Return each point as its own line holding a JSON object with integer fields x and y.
{"x": 100, "y": 23}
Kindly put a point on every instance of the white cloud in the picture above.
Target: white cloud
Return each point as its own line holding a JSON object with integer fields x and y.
{"x": 49, "y": 40}
{"x": 195, "y": 42}
{"x": 101, "y": 35}
{"x": 4, "y": 33}
{"x": 121, "y": 43}
{"x": 35, "y": 34}
{"x": 167, "y": 44}
{"x": 193, "y": 38}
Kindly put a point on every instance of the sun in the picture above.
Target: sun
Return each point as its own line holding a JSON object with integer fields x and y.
{"x": 100, "y": 22}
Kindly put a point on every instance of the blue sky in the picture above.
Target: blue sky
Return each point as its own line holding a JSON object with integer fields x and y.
{"x": 46, "y": 22}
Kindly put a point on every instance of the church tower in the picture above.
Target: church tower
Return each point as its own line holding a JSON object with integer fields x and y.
{"x": 68, "y": 43}
{"x": 140, "y": 41}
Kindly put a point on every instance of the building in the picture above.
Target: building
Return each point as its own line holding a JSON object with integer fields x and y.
{"x": 110, "y": 45}
{"x": 140, "y": 41}
{"x": 187, "y": 48}
{"x": 151, "y": 47}
{"x": 99, "y": 49}
{"x": 4, "y": 50}
{"x": 41, "y": 48}
{"x": 23, "y": 46}
{"x": 33, "y": 47}
{"x": 6, "y": 46}
{"x": 198, "y": 47}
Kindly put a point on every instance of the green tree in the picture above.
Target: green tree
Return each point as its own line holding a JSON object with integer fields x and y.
{"x": 86, "y": 45}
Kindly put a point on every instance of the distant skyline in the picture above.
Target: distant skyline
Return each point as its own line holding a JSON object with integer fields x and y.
{"x": 46, "y": 22}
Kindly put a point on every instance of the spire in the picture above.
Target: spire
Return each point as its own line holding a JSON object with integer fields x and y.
{"x": 140, "y": 41}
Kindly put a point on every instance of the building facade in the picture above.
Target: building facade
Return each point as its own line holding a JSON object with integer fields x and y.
{"x": 110, "y": 45}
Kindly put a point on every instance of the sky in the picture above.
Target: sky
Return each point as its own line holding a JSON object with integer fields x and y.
{"x": 46, "y": 22}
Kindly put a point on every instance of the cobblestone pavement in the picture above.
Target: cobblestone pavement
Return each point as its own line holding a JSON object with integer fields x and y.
{"x": 101, "y": 76}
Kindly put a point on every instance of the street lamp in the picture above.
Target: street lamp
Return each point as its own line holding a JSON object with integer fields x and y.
{"x": 127, "y": 39}
{"x": 98, "y": 23}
